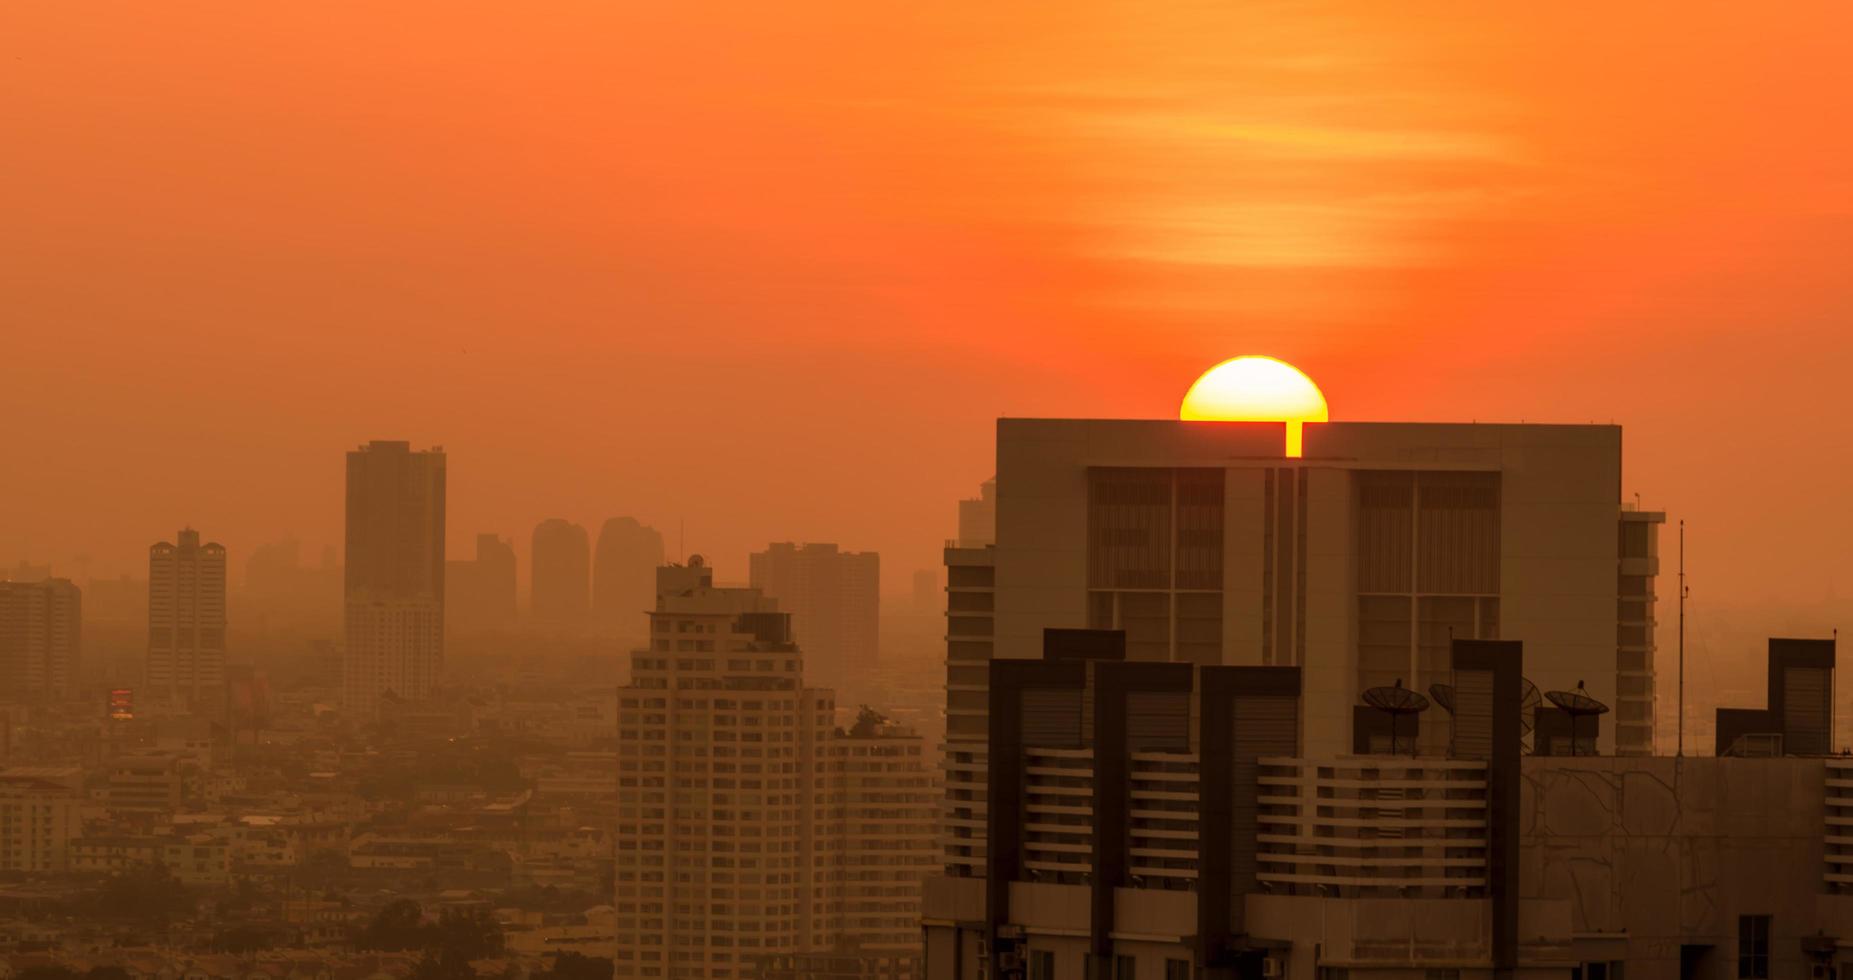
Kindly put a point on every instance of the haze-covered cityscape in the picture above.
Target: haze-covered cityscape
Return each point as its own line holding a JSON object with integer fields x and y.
{"x": 958, "y": 491}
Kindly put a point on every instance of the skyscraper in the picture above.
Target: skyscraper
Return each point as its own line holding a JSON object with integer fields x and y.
{"x": 186, "y": 623}
{"x": 394, "y": 607}
{"x": 777, "y": 832}
{"x": 40, "y": 628}
{"x": 561, "y": 569}
{"x": 834, "y": 598}
{"x": 479, "y": 593}
{"x": 624, "y": 572}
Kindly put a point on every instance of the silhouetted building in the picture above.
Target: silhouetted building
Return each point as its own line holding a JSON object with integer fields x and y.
{"x": 1799, "y": 717}
{"x": 560, "y": 571}
{"x": 279, "y": 590}
{"x": 40, "y": 639}
{"x": 834, "y": 598}
{"x": 978, "y": 517}
{"x": 480, "y": 591}
{"x": 624, "y": 572}
{"x": 394, "y": 590}
{"x": 26, "y": 571}
{"x": 186, "y": 624}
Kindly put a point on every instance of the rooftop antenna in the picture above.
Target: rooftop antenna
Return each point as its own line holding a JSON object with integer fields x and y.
{"x": 1680, "y": 724}
{"x": 682, "y": 538}
{"x": 1397, "y": 701}
{"x": 1578, "y": 705}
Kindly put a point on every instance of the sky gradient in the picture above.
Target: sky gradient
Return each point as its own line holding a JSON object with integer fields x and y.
{"x": 770, "y": 271}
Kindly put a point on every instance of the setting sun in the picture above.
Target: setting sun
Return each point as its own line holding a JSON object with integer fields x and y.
{"x": 1256, "y": 389}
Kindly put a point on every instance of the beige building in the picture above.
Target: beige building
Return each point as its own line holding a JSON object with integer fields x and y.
{"x": 40, "y": 639}
{"x": 747, "y": 827}
{"x": 40, "y": 811}
{"x": 394, "y": 586}
{"x": 883, "y": 814}
{"x": 1357, "y": 562}
{"x": 834, "y": 598}
{"x": 186, "y": 624}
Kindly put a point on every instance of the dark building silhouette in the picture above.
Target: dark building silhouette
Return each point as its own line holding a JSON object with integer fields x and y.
{"x": 479, "y": 592}
{"x": 624, "y": 572}
{"x": 186, "y": 623}
{"x": 560, "y": 566}
{"x": 279, "y": 590}
{"x": 40, "y": 639}
{"x": 394, "y": 588}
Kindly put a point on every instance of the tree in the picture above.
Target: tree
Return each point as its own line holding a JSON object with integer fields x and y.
{"x": 46, "y": 973}
{"x": 472, "y": 935}
{"x": 398, "y": 926}
{"x": 149, "y": 894}
{"x": 575, "y": 966}
{"x": 443, "y": 965}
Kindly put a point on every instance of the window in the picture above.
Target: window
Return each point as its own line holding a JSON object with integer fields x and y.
{"x": 1155, "y": 551}
{"x": 1041, "y": 964}
{"x": 1753, "y": 947}
{"x": 1177, "y": 970}
{"x": 1125, "y": 967}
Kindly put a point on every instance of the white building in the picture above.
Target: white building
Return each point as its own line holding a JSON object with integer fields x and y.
{"x": 748, "y": 827}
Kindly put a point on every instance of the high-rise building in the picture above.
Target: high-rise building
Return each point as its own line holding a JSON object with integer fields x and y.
{"x": 40, "y": 634}
{"x": 883, "y": 833}
{"x": 560, "y": 570}
{"x": 41, "y": 810}
{"x": 479, "y": 592}
{"x": 186, "y": 624}
{"x": 834, "y": 598}
{"x": 1357, "y": 562}
{"x": 394, "y": 581}
{"x": 749, "y": 826}
{"x": 978, "y": 517}
{"x": 624, "y": 572}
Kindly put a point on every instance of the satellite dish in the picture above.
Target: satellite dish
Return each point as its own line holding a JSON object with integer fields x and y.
{"x": 696, "y": 561}
{"x": 1396, "y": 702}
{"x": 1443, "y": 695}
{"x": 1529, "y": 700}
{"x": 1578, "y": 705}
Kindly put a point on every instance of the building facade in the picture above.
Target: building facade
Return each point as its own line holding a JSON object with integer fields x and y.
{"x": 40, "y": 813}
{"x": 479, "y": 592}
{"x": 394, "y": 578}
{"x": 834, "y": 598}
{"x": 750, "y": 828}
{"x": 1167, "y": 820}
{"x": 40, "y": 639}
{"x": 186, "y": 624}
{"x": 1356, "y": 562}
{"x": 624, "y": 572}
{"x": 560, "y": 569}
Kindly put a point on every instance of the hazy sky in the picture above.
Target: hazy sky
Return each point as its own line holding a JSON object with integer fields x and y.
{"x": 773, "y": 269}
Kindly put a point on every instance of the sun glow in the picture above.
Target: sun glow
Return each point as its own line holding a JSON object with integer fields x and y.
{"x": 1256, "y": 389}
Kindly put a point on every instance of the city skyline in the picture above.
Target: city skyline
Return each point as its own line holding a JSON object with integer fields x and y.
{"x": 1438, "y": 228}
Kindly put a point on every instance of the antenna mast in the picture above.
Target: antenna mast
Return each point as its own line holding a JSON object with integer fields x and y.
{"x": 1681, "y": 729}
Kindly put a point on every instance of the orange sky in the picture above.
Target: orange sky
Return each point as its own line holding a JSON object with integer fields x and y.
{"x": 773, "y": 269}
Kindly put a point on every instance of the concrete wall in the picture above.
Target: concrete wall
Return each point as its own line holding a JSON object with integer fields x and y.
{"x": 1669, "y": 851}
